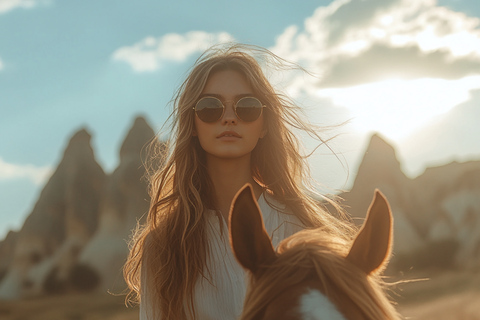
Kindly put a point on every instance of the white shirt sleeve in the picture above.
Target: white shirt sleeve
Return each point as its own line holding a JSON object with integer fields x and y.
{"x": 279, "y": 225}
{"x": 146, "y": 304}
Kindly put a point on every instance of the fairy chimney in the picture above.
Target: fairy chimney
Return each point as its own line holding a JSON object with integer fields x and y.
{"x": 381, "y": 169}
{"x": 125, "y": 202}
{"x": 62, "y": 221}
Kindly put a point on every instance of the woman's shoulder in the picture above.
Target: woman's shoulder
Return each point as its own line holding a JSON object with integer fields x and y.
{"x": 280, "y": 221}
{"x": 270, "y": 200}
{"x": 269, "y": 203}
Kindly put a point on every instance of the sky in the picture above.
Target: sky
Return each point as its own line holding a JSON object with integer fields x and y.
{"x": 407, "y": 69}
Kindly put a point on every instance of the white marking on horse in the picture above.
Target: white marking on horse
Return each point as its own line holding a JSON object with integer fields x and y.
{"x": 315, "y": 306}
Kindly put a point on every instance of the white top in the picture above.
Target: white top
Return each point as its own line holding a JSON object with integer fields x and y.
{"x": 222, "y": 298}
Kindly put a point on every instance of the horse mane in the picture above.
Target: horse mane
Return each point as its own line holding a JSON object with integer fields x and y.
{"x": 315, "y": 253}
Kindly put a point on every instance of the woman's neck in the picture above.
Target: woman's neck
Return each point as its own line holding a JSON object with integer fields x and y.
{"x": 228, "y": 176}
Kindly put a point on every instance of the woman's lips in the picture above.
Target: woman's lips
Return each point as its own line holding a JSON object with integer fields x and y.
{"x": 228, "y": 134}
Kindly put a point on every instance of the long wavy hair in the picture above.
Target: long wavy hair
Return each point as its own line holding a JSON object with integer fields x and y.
{"x": 171, "y": 246}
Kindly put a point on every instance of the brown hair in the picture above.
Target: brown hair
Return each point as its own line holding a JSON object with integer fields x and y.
{"x": 171, "y": 247}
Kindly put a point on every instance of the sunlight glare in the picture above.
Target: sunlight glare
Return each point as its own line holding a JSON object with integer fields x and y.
{"x": 386, "y": 20}
{"x": 396, "y": 108}
{"x": 354, "y": 47}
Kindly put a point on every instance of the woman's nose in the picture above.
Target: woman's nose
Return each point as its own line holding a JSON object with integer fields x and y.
{"x": 229, "y": 115}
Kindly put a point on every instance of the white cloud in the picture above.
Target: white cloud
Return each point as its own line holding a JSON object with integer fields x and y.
{"x": 339, "y": 32}
{"x": 8, "y": 5}
{"x": 150, "y": 53}
{"x": 38, "y": 175}
{"x": 1, "y": 64}
{"x": 394, "y": 64}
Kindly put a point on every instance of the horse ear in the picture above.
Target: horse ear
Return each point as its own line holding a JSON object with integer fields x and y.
{"x": 372, "y": 246}
{"x": 248, "y": 238}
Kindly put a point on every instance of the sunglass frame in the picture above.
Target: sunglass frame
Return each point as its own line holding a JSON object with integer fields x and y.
{"x": 224, "y": 108}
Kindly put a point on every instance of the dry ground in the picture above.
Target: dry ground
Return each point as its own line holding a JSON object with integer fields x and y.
{"x": 69, "y": 307}
{"x": 452, "y": 296}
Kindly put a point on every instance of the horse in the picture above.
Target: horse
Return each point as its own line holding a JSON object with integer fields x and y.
{"x": 310, "y": 276}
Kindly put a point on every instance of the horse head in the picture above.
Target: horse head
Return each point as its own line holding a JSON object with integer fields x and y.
{"x": 331, "y": 286}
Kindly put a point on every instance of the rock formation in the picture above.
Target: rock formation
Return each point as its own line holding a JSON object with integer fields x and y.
{"x": 125, "y": 201}
{"x": 76, "y": 236}
{"x": 437, "y": 214}
{"x": 381, "y": 169}
{"x": 7, "y": 248}
{"x": 61, "y": 223}
{"x": 80, "y": 223}
{"x": 449, "y": 198}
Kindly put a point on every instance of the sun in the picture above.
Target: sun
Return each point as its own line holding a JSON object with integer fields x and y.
{"x": 397, "y": 107}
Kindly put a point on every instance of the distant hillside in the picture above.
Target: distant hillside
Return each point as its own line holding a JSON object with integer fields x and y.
{"x": 75, "y": 237}
{"x": 436, "y": 215}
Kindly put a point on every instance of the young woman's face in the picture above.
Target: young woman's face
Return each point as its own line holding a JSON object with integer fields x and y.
{"x": 229, "y": 137}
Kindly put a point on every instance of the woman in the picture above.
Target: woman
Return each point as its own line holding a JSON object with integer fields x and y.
{"x": 230, "y": 128}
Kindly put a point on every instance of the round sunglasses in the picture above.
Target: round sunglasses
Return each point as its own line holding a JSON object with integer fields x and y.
{"x": 211, "y": 109}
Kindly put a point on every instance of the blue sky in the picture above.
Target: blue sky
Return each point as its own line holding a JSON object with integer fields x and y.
{"x": 409, "y": 69}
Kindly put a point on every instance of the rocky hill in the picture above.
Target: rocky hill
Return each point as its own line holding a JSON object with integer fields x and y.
{"x": 381, "y": 169}
{"x": 75, "y": 237}
{"x": 437, "y": 214}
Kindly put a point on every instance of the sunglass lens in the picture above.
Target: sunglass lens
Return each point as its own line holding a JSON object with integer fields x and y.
{"x": 209, "y": 109}
{"x": 249, "y": 109}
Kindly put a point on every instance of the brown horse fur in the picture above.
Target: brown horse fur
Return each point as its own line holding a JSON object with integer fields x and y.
{"x": 347, "y": 273}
